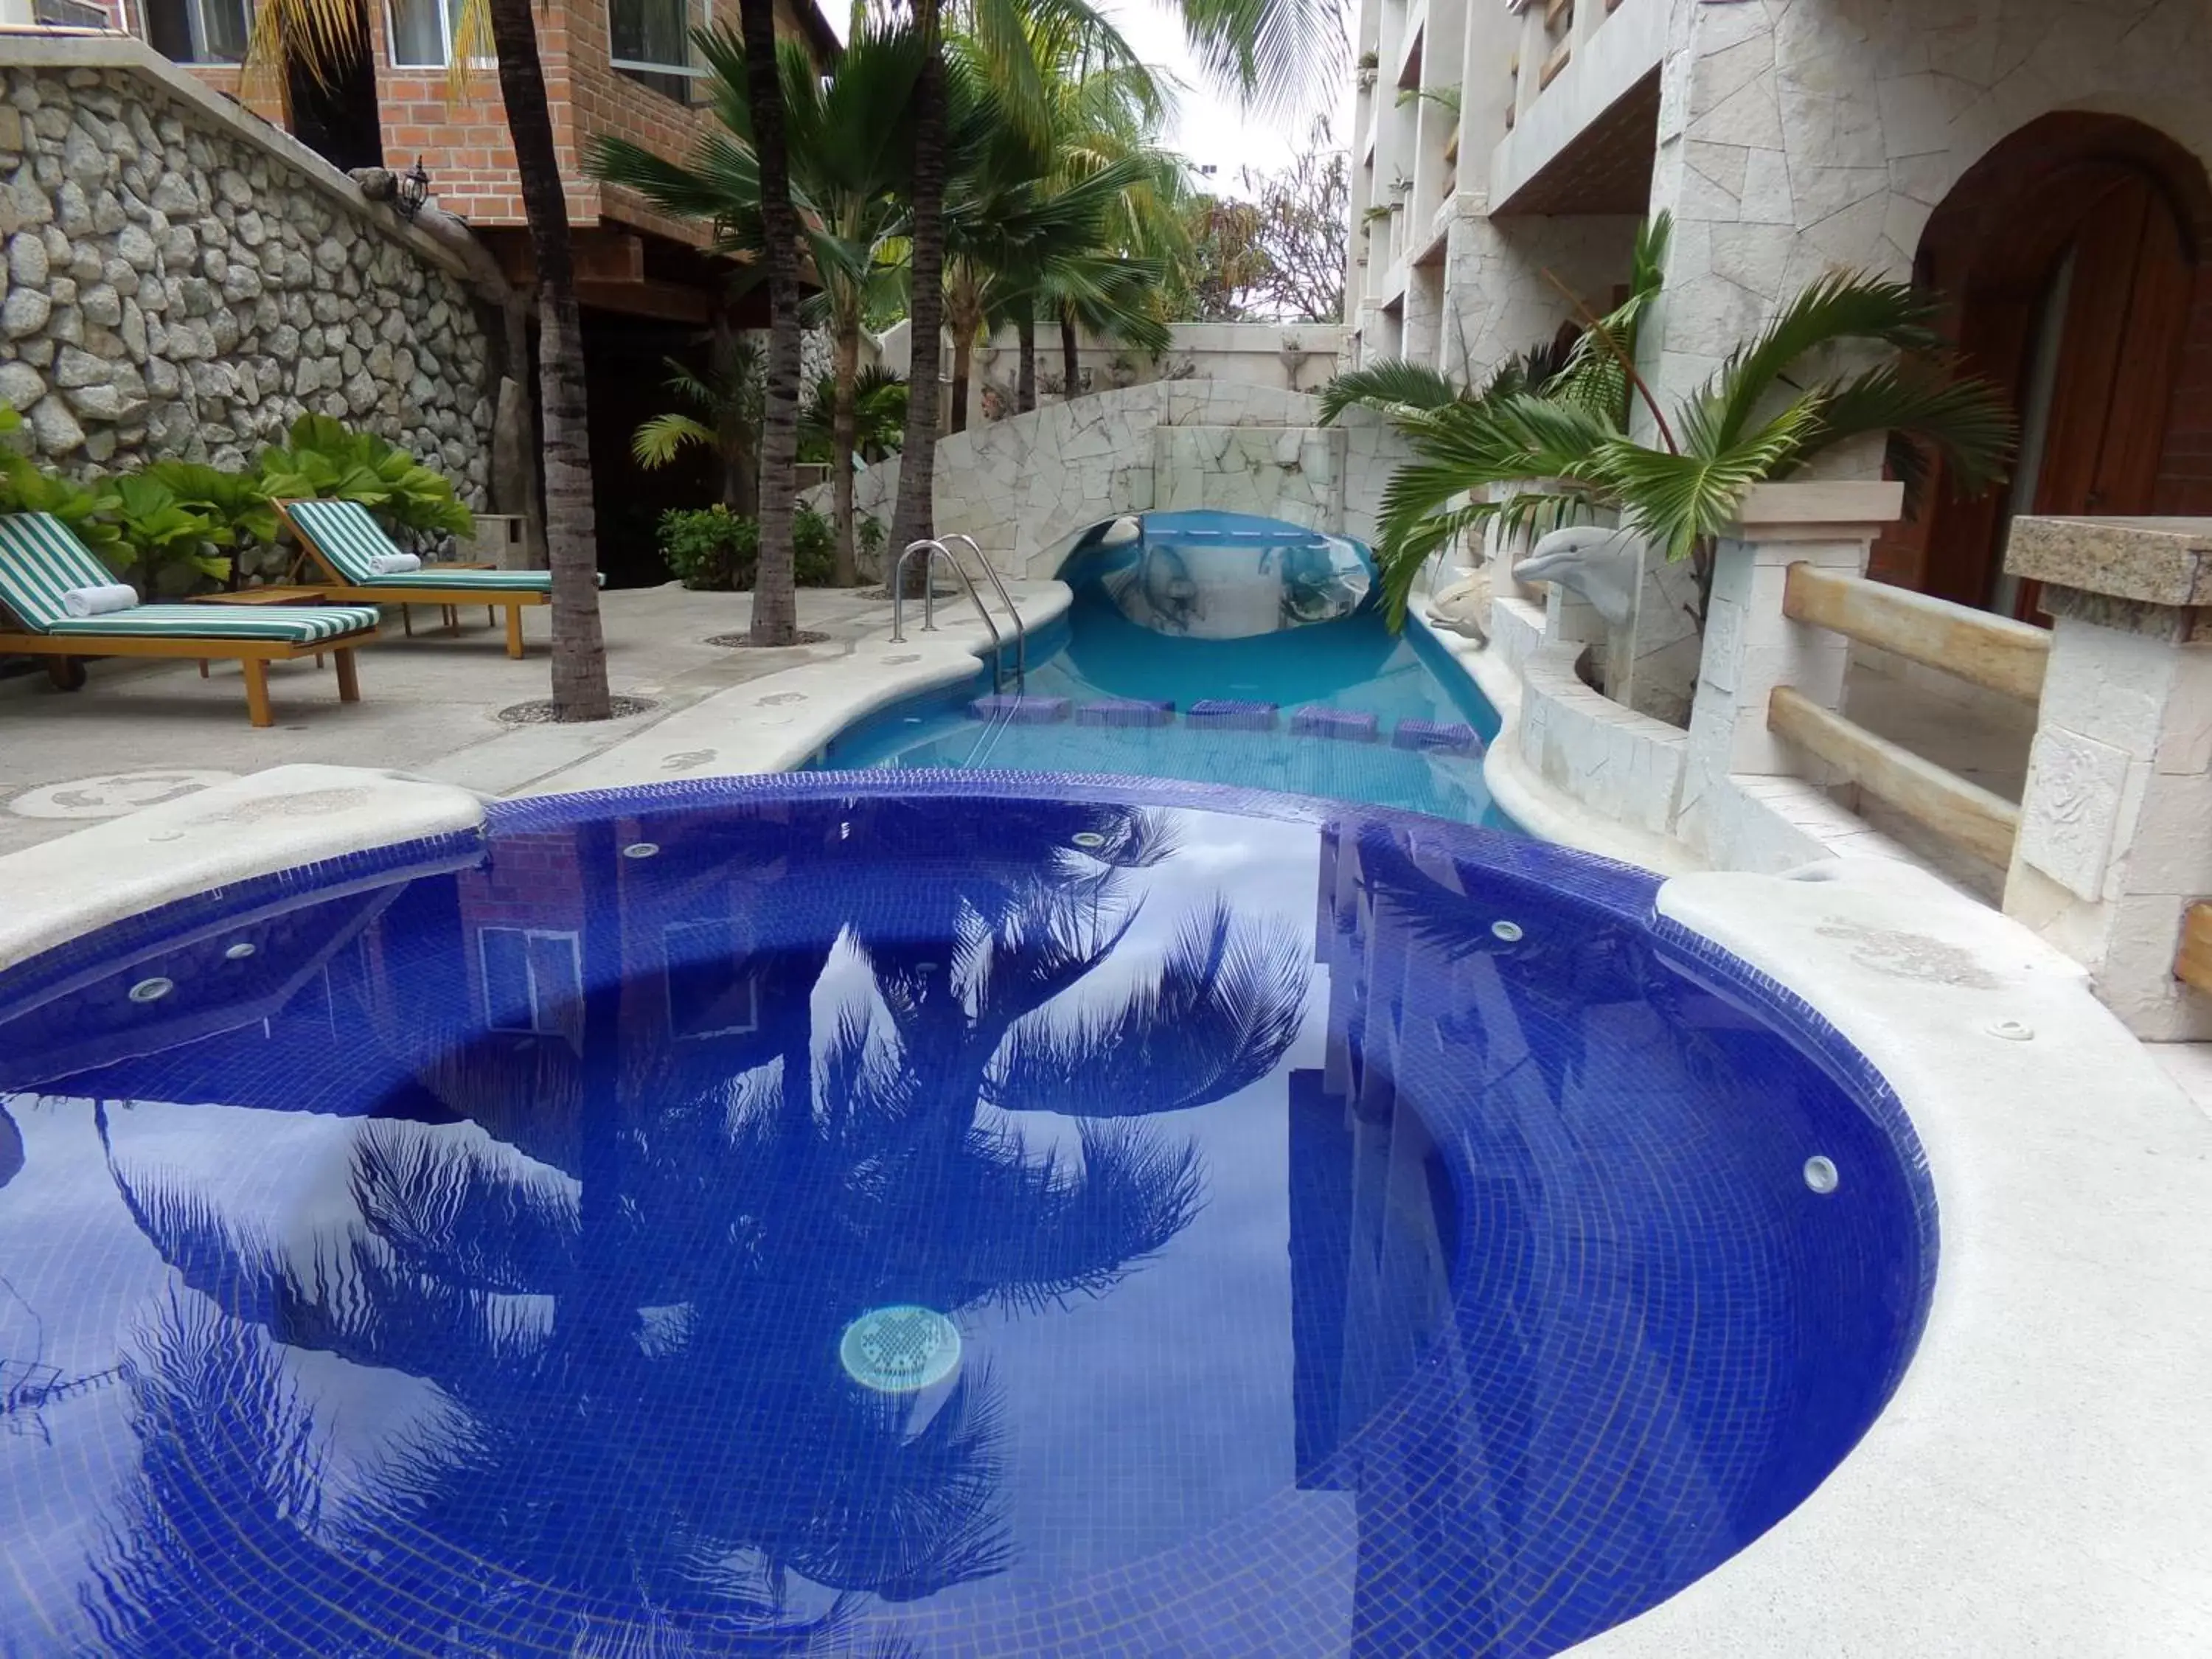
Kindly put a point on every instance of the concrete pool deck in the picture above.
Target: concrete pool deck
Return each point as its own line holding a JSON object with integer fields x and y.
{"x": 143, "y": 733}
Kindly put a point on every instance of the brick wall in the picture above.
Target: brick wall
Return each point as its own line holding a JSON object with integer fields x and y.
{"x": 463, "y": 137}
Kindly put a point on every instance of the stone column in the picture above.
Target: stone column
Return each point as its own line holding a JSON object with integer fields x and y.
{"x": 2115, "y": 827}
{"x": 1751, "y": 647}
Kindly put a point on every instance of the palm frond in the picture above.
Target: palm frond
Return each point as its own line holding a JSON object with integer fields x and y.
{"x": 1675, "y": 501}
{"x": 1387, "y": 385}
{"x": 1840, "y": 307}
{"x": 659, "y": 440}
{"x": 1965, "y": 421}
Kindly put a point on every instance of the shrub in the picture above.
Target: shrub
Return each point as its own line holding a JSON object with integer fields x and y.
{"x": 713, "y": 548}
{"x": 323, "y": 458}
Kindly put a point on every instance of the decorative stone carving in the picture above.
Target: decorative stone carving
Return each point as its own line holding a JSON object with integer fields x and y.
{"x": 1602, "y": 566}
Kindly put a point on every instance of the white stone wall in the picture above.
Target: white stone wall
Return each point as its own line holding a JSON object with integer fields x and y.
{"x": 1023, "y": 487}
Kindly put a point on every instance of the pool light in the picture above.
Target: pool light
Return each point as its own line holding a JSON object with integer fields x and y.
{"x": 1508, "y": 930}
{"x": 1821, "y": 1174}
{"x": 900, "y": 1349}
{"x": 152, "y": 990}
{"x": 640, "y": 849}
{"x": 1087, "y": 840}
{"x": 238, "y": 952}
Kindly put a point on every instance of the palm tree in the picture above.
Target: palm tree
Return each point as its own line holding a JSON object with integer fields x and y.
{"x": 321, "y": 36}
{"x": 1774, "y": 405}
{"x": 1274, "y": 53}
{"x": 729, "y": 401}
{"x": 850, "y": 151}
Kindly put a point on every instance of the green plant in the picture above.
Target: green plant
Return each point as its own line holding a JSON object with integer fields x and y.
{"x": 170, "y": 546}
{"x": 323, "y": 459}
{"x": 234, "y": 502}
{"x": 730, "y": 398}
{"x": 1560, "y": 448}
{"x": 710, "y": 547}
{"x": 869, "y": 533}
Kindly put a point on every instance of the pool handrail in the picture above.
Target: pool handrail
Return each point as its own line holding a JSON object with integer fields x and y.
{"x": 929, "y": 548}
{"x": 997, "y": 584}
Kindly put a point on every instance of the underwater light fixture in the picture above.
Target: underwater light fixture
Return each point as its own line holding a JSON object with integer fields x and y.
{"x": 640, "y": 849}
{"x": 1821, "y": 1175}
{"x": 238, "y": 952}
{"x": 1088, "y": 838}
{"x": 900, "y": 1349}
{"x": 152, "y": 990}
{"x": 1508, "y": 930}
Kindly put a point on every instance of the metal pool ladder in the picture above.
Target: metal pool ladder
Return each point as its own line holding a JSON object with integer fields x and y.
{"x": 931, "y": 549}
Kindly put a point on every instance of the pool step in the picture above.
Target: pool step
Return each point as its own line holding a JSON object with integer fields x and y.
{"x": 1450, "y": 737}
{"x": 1339, "y": 725}
{"x": 1017, "y": 709}
{"x": 1125, "y": 711}
{"x": 1225, "y": 714}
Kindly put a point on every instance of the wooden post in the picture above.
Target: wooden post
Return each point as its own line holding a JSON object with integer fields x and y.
{"x": 349, "y": 680}
{"x": 256, "y": 670}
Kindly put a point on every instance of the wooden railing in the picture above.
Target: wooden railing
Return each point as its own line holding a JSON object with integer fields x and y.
{"x": 1992, "y": 652}
{"x": 2193, "y": 964}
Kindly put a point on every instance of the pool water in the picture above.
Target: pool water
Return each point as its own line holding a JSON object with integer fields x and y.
{"x": 979, "y": 1215}
{"x": 1352, "y": 664}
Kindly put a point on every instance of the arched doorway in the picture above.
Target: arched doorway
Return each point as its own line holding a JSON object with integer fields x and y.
{"x": 2075, "y": 256}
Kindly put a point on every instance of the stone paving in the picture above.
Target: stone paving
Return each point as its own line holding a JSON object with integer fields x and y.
{"x": 139, "y": 734}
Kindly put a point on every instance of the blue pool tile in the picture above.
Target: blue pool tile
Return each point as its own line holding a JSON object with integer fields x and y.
{"x": 1226, "y": 713}
{"x": 1126, "y": 711}
{"x": 1020, "y": 708}
{"x": 1366, "y": 1234}
{"x": 1455, "y": 736}
{"x": 1342, "y": 725}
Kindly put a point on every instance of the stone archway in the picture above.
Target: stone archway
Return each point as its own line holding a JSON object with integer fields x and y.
{"x": 2077, "y": 256}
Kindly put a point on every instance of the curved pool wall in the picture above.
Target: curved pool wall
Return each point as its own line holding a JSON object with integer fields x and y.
{"x": 1366, "y": 1234}
{"x": 1339, "y": 708}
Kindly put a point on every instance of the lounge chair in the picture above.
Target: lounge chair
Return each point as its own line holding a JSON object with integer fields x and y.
{"x": 346, "y": 541}
{"x": 42, "y": 561}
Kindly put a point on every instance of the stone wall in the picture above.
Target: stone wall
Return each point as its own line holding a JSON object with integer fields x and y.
{"x": 1025, "y": 487}
{"x": 182, "y": 280}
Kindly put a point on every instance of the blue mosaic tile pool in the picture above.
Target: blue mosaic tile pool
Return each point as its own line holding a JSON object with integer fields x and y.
{"x": 1301, "y": 687}
{"x": 969, "y": 1214}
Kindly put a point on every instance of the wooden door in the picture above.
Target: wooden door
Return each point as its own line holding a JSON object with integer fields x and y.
{"x": 2097, "y": 427}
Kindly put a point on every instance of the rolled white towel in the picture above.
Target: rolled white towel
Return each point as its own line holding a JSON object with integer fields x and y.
{"x": 100, "y": 601}
{"x": 393, "y": 564}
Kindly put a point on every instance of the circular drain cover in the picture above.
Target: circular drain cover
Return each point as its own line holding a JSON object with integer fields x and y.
{"x": 900, "y": 1349}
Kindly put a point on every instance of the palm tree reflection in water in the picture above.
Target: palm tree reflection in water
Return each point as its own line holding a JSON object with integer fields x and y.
{"x": 643, "y": 1441}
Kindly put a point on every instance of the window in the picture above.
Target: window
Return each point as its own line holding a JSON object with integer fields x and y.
{"x": 198, "y": 31}
{"x": 712, "y": 990}
{"x": 532, "y": 980}
{"x": 650, "y": 41}
{"x": 422, "y": 31}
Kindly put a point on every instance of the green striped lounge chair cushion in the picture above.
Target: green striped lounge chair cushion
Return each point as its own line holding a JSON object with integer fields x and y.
{"x": 349, "y": 537}
{"x": 41, "y": 560}
{"x": 285, "y": 623}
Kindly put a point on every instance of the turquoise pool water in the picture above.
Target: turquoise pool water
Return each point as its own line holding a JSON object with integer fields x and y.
{"x": 1353, "y": 666}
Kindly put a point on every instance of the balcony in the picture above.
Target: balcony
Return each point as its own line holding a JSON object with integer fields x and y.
{"x": 1584, "y": 117}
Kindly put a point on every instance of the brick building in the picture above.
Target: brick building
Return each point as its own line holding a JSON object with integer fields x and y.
{"x": 615, "y": 68}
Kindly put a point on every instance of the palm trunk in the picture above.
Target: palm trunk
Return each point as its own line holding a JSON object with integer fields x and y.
{"x": 776, "y": 599}
{"x": 1025, "y": 375}
{"x": 962, "y": 355}
{"x": 740, "y": 459}
{"x": 579, "y": 652}
{"x": 1071, "y": 362}
{"x": 915, "y": 516}
{"x": 843, "y": 422}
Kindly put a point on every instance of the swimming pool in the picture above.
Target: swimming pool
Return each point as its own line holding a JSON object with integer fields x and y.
{"x": 990, "y": 1214}
{"x": 1273, "y": 675}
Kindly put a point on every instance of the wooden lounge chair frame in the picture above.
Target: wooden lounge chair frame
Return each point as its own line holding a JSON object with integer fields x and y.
{"x": 252, "y": 657}
{"x": 335, "y": 585}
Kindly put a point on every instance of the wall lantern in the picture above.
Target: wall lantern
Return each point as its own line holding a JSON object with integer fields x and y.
{"x": 414, "y": 190}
